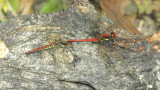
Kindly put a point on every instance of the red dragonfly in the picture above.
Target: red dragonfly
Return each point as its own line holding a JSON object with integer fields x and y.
{"x": 119, "y": 21}
{"x": 60, "y": 43}
{"x": 102, "y": 37}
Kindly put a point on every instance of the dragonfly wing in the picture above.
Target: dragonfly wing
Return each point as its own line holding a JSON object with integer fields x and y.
{"x": 116, "y": 10}
{"x": 121, "y": 21}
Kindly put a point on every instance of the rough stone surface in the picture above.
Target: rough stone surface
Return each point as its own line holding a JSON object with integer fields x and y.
{"x": 82, "y": 66}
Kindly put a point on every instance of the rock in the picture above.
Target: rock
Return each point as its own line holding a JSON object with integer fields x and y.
{"x": 83, "y": 65}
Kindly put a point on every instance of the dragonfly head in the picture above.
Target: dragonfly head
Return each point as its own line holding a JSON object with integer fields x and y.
{"x": 105, "y": 37}
{"x": 113, "y": 35}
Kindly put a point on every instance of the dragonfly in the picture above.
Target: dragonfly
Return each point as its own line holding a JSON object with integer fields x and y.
{"x": 103, "y": 37}
{"x": 119, "y": 21}
{"x": 56, "y": 43}
{"x": 62, "y": 43}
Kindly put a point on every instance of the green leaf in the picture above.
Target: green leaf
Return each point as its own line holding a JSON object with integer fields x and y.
{"x": 149, "y": 9}
{"x": 14, "y": 4}
{"x": 53, "y": 6}
{"x": 141, "y": 9}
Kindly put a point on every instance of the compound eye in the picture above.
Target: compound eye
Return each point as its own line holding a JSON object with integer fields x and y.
{"x": 113, "y": 35}
{"x": 105, "y": 35}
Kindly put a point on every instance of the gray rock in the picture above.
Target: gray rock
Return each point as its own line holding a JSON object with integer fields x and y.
{"x": 81, "y": 66}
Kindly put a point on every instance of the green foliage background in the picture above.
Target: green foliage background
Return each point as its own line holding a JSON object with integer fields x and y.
{"x": 53, "y": 6}
{"x": 141, "y": 6}
{"x": 50, "y": 6}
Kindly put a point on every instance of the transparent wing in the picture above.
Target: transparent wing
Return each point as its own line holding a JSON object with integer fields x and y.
{"x": 121, "y": 21}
